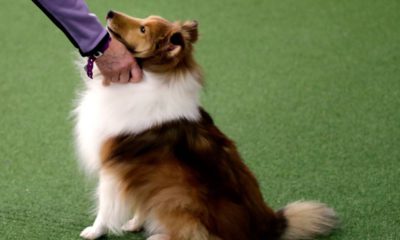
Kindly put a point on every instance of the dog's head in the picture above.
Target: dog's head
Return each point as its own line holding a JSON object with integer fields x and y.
{"x": 160, "y": 45}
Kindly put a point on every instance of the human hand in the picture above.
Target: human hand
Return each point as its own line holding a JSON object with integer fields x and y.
{"x": 117, "y": 65}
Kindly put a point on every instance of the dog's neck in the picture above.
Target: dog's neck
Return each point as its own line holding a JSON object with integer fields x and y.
{"x": 177, "y": 91}
{"x": 173, "y": 69}
{"x": 159, "y": 97}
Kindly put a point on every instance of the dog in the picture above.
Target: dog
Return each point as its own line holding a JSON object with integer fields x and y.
{"x": 161, "y": 163}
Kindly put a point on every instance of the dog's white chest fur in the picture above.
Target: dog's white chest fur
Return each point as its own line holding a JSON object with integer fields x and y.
{"x": 104, "y": 112}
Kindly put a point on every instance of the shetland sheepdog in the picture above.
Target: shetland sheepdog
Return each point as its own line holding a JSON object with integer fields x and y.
{"x": 161, "y": 163}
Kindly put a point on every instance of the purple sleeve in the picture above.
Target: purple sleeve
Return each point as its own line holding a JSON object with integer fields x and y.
{"x": 82, "y": 28}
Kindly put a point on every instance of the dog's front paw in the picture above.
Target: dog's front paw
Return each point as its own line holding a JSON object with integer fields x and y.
{"x": 92, "y": 233}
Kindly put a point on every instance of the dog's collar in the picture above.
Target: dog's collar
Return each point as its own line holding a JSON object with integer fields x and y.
{"x": 90, "y": 62}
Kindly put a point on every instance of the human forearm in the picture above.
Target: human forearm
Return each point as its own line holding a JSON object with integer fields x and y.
{"x": 81, "y": 27}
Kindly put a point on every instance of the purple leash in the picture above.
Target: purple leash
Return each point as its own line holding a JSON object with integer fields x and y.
{"x": 90, "y": 62}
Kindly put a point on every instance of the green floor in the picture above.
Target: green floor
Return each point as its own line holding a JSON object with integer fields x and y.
{"x": 309, "y": 90}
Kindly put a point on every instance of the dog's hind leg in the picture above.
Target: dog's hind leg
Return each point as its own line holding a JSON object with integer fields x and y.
{"x": 167, "y": 237}
{"x": 134, "y": 225}
{"x": 184, "y": 226}
{"x": 159, "y": 237}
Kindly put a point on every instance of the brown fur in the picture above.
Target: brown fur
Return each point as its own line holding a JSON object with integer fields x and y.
{"x": 186, "y": 176}
{"x": 165, "y": 47}
{"x": 191, "y": 177}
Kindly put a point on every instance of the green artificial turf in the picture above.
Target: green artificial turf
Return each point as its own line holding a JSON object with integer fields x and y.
{"x": 309, "y": 90}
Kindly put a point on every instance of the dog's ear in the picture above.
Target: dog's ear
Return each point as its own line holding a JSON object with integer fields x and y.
{"x": 175, "y": 43}
{"x": 178, "y": 38}
{"x": 189, "y": 28}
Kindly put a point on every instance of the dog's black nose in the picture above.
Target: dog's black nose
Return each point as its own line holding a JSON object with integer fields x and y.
{"x": 110, "y": 14}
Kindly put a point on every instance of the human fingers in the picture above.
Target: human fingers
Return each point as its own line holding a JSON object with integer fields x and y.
{"x": 106, "y": 82}
{"x": 136, "y": 74}
{"x": 115, "y": 77}
{"x": 124, "y": 76}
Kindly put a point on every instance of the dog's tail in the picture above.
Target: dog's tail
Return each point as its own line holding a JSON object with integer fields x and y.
{"x": 306, "y": 220}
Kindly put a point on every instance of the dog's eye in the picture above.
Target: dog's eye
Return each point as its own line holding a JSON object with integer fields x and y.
{"x": 142, "y": 29}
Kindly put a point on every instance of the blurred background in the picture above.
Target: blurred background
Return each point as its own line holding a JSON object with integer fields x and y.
{"x": 309, "y": 90}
